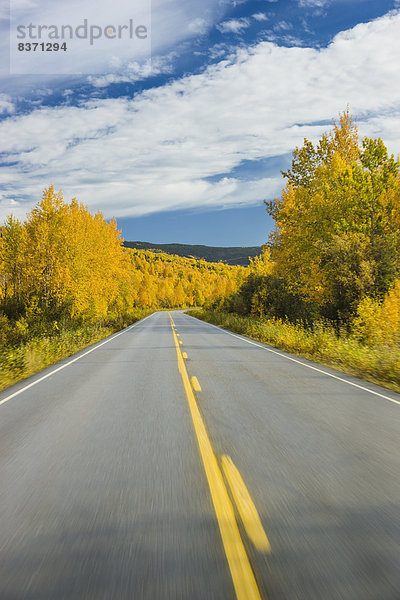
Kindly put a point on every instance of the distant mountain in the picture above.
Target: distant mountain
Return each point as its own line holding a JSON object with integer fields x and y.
{"x": 230, "y": 256}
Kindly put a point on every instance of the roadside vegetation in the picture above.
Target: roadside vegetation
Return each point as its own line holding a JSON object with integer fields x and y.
{"x": 327, "y": 285}
{"x": 376, "y": 363}
{"x": 24, "y": 353}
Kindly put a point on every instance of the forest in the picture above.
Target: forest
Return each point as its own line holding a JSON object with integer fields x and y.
{"x": 237, "y": 255}
{"x": 326, "y": 285}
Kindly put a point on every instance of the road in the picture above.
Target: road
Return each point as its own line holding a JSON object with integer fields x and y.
{"x": 121, "y": 477}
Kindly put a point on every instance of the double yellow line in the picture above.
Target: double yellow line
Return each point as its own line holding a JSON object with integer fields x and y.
{"x": 242, "y": 574}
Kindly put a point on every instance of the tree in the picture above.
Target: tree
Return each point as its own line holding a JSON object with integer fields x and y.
{"x": 74, "y": 260}
{"x": 11, "y": 264}
{"x": 341, "y": 196}
{"x": 379, "y": 174}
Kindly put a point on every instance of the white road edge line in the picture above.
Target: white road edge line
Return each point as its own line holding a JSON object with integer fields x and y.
{"x": 299, "y": 362}
{"x": 115, "y": 335}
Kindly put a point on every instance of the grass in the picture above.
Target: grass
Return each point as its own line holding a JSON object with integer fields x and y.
{"x": 377, "y": 364}
{"x": 27, "y": 358}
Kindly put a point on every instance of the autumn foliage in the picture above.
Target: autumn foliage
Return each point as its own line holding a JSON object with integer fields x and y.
{"x": 61, "y": 262}
{"x": 337, "y": 236}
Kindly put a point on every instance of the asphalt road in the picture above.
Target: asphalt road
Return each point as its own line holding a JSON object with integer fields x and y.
{"x": 104, "y": 493}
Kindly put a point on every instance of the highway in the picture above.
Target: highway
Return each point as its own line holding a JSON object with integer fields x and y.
{"x": 175, "y": 460}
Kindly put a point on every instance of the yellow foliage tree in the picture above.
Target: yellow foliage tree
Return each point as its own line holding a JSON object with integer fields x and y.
{"x": 341, "y": 195}
{"x": 379, "y": 322}
{"x": 72, "y": 258}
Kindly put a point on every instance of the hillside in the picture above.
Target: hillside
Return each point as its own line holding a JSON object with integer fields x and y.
{"x": 228, "y": 255}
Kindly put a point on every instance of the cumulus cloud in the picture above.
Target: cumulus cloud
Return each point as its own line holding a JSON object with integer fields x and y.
{"x": 174, "y": 146}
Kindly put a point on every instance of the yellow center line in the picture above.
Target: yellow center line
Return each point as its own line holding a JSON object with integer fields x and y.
{"x": 245, "y": 505}
{"x": 195, "y": 384}
{"x": 242, "y": 575}
{"x": 184, "y": 355}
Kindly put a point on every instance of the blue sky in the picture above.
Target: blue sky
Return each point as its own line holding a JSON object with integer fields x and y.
{"x": 183, "y": 136}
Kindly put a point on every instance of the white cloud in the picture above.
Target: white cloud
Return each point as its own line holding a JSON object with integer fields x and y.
{"x": 283, "y": 39}
{"x": 260, "y": 16}
{"x": 198, "y": 26}
{"x": 283, "y": 26}
{"x": 135, "y": 71}
{"x": 167, "y": 147}
{"x": 219, "y": 51}
{"x": 313, "y": 3}
{"x": 6, "y": 104}
{"x": 17, "y": 5}
{"x": 234, "y": 25}
{"x": 234, "y": 3}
